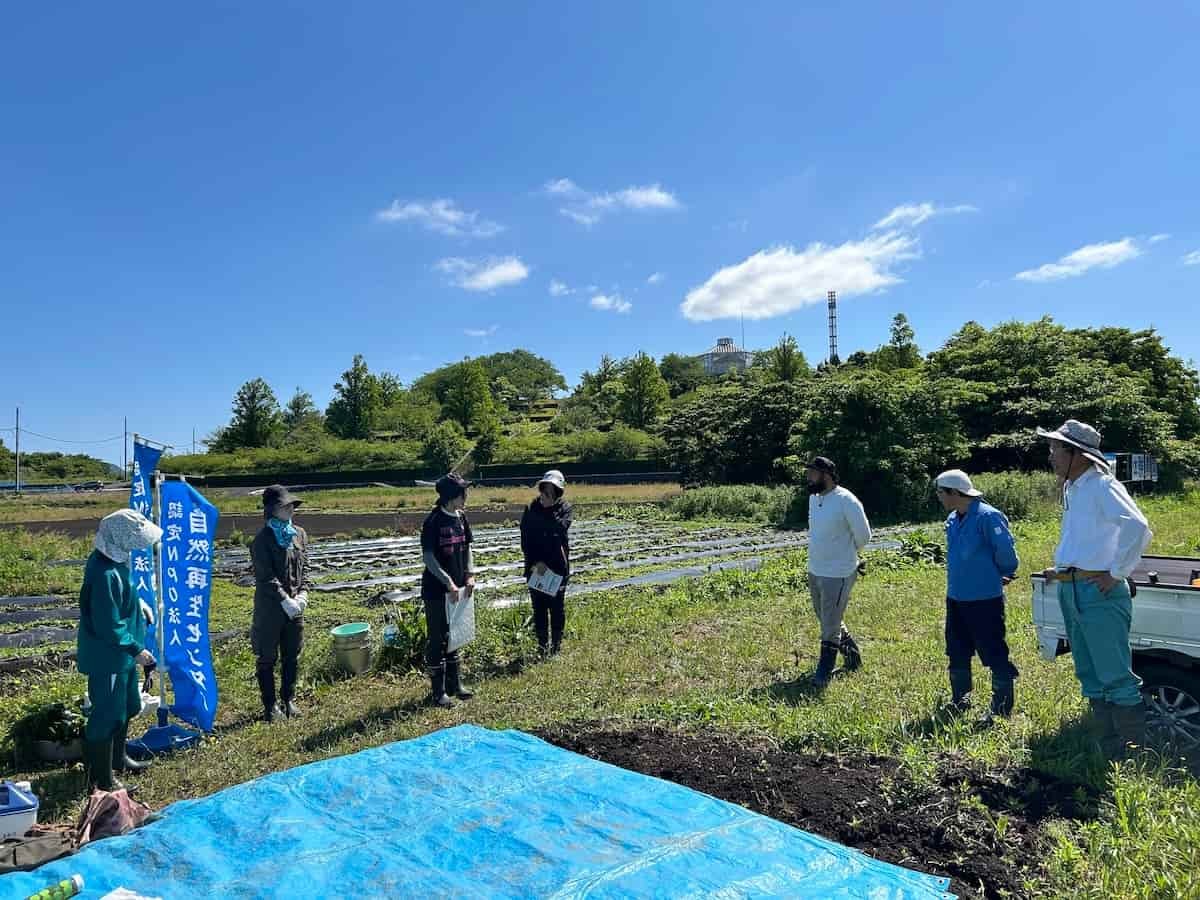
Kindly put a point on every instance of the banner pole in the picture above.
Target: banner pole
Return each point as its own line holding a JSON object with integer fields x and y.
{"x": 158, "y": 583}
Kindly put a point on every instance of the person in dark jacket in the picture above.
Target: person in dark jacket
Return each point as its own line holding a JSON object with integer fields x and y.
{"x": 446, "y": 551}
{"x": 279, "y": 553}
{"x": 112, "y": 642}
{"x": 546, "y": 544}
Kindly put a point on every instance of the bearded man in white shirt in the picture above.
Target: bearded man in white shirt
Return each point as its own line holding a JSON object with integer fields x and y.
{"x": 1103, "y": 537}
{"x": 837, "y": 530}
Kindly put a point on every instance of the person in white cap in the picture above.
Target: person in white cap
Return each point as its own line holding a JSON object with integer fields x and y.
{"x": 112, "y": 642}
{"x": 546, "y": 544}
{"x": 981, "y": 558}
{"x": 1103, "y": 537}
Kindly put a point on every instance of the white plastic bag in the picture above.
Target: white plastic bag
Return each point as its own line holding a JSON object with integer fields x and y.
{"x": 460, "y": 615}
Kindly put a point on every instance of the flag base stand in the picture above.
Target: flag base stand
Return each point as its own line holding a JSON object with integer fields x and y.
{"x": 162, "y": 739}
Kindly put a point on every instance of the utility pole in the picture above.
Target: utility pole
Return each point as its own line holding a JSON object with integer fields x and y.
{"x": 18, "y": 446}
{"x": 125, "y": 450}
{"x": 193, "y": 440}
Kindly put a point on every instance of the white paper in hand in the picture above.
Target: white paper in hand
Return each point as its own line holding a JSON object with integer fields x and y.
{"x": 546, "y": 583}
{"x": 460, "y": 615}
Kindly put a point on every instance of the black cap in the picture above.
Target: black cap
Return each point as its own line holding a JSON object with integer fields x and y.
{"x": 450, "y": 486}
{"x": 823, "y": 464}
{"x": 276, "y": 496}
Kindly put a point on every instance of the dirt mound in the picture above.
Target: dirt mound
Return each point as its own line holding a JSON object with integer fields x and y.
{"x": 979, "y": 829}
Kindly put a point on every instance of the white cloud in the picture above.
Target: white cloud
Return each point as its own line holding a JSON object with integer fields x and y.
{"x": 781, "y": 280}
{"x": 562, "y": 186}
{"x": 442, "y": 216}
{"x": 913, "y": 214}
{"x": 1090, "y": 256}
{"x": 1192, "y": 259}
{"x": 559, "y": 289}
{"x": 613, "y": 303}
{"x": 483, "y": 274}
{"x": 480, "y": 332}
{"x": 588, "y": 208}
{"x": 1157, "y": 238}
{"x": 656, "y": 278}
{"x": 583, "y": 218}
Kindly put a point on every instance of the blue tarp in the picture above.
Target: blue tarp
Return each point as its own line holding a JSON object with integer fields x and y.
{"x": 468, "y": 812}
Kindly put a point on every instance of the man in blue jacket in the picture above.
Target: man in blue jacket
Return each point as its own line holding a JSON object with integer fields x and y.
{"x": 981, "y": 558}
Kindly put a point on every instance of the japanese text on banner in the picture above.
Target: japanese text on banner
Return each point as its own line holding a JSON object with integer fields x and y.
{"x": 141, "y": 562}
{"x": 189, "y": 531}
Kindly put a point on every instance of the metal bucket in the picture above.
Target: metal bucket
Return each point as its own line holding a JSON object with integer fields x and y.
{"x": 352, "y": 646}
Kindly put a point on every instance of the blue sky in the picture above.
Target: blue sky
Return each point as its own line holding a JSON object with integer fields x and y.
{"x": 197, "y": 197}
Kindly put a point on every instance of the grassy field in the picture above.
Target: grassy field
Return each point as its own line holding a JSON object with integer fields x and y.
{"x": 729, "y": 653}
{"x": 61, "y": 507}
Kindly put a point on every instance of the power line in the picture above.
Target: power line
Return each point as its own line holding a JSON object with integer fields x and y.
{"x": 47, "y": 437}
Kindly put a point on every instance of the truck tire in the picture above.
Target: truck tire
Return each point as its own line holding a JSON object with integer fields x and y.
{"x": 1172, "y": 696}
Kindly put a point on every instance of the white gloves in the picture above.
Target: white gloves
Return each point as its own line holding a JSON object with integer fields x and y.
{"x": 302, "y": 599}
{"x": 147, "y": 611}
{"x": 291, "y": 607}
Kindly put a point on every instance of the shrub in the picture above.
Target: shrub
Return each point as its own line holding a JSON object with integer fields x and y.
{"x": 738, "y": 502}
{"x": 1020, "y": 495}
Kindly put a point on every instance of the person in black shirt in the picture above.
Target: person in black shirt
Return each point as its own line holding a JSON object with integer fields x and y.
{"x": 546, "y": 545}
{"x": 446, "y": 552}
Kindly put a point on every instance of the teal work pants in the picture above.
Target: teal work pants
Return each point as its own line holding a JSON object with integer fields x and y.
{"x": 1098, "y": 629}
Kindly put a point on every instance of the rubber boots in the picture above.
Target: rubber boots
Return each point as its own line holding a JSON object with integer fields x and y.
{"x": 1104, "y": 729}
{"x": 1129, "y": 723}
{"x": 437, "y": 687}
{"x": 98, "y": 765}
{"x": 851, "y": 657}
{"x": 121, "y": 762}
{"x": 1003, "y": 697}
{"x": 960, "y": 690}
{"x": 454, "y": 685}
{"x": 266, "y": 689}
{"x": 824, "y": 673}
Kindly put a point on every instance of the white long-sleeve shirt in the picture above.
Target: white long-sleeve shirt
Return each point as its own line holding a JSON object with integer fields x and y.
{"x": 1102, "y": 528}
{"x": 837, "y": 530}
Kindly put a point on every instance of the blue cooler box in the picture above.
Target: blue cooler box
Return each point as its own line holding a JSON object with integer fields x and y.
{"x": 18, "y": 811}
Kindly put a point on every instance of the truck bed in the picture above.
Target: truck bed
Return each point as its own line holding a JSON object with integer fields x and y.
{"x": 1166, "y": 614}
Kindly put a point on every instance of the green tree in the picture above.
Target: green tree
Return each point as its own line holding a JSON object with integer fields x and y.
{"x": 488, "y": 440}
{"x": 531, "y": 377}
{"x": 257, "y": 420}
{"x": 469, "y": 398}
{"x": 1125, "y": 383}
{"x": 734, "y": 432}
{"x": 644, "y": 393}
{"x": 445, "y": 445}
{"x": 299, "y": 410}
{"x": 391, "y": 389}
{"x": 682, "y": 374}
{"x": 889, "y": 435}
{"x": 410, "y": 414}
{"x": 784, "y": 362}
{"x": 901, "y": 352}
{"x": 356, "y": 402}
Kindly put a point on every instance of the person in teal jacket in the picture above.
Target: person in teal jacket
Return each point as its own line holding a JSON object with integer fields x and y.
{"x": 111, "y": 643}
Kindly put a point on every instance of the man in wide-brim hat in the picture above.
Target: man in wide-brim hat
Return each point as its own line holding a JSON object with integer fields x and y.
{"x": 1103, "y": 537}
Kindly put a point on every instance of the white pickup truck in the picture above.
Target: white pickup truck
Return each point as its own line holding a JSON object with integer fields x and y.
{"x": 1164, "y": 636}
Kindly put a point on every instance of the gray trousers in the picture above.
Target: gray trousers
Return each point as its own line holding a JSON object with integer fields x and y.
{"x": 830, "y": 597}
